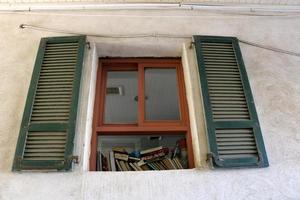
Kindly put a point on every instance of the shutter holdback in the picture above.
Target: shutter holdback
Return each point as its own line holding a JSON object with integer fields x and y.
{"x": 88, "y": 44}
{"x": 213, "y": 158}
{"x": 192, "y": 44}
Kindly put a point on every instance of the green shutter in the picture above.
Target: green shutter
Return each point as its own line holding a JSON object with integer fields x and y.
{"x": 48, "y": 126}
{"x": 233, "y": 129}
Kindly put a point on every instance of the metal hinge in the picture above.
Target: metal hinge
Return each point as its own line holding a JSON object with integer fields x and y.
{"x": 17, "y": 163}
{"x": 260, "y": 159}
{"x": 192, "y": 44}
{"x": 88, "y": 44}
{"x": 211, "y": 157}
{"x": 75, "y": 159}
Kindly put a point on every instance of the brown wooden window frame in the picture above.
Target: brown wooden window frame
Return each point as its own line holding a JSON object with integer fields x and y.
{"x": 162, "y": 127}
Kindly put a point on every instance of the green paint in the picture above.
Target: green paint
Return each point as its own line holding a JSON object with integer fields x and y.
{"x": 256, "y": 161}
{"x": 68, "y": 127}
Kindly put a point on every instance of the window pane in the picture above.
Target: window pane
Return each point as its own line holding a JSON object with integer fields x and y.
{"x": 120, "y": 102}
{"x": 161, "y": 94}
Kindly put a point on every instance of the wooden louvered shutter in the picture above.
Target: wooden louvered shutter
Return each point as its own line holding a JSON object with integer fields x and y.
{"x": 48, "y": 125}
{"x": 233, "y": 129}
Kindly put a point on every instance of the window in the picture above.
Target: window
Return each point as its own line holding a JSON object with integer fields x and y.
{"x": 140, "y": 104}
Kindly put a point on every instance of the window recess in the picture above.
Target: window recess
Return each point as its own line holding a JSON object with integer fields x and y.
{"x": 140, "y": 107}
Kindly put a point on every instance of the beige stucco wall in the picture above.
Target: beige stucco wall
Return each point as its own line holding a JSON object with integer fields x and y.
{"x": 273, "y": 77}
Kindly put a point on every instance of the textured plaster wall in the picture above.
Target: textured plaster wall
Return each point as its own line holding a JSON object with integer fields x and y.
{"x": 274, "y": 79}
{"x": 262, "y": 2}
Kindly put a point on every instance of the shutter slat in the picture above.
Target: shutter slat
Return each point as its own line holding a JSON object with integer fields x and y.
{"x": 56, "y": 81}
{"x": 216, "y": 44}
{"x": 225, "y": 95}
{"x": 48, "y": 73}
{"x": 44, "y": 151}
{"x": 52, "y": 103}
{"x": 48, "y": 70}
{"x": 54, "y": 54}
{"x": 219, "y": 52}
{"x": 49, "y": 119}
{"x": 58, "y": 65}
{"x": 57, "y": 89}
{"x": 218, "y": 55}
{"x": 62, "y": 62}
{"x": 46, "y": 133}
{"x": 52, "y": 110}
{"x": 53, "y": 76}
{"x": 55, "y": 85}
{"x": 47, "y": 114}
{"x": 62, "y": 44}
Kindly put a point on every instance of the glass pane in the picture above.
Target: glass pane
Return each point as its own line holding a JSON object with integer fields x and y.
{"x": 120, "y": 100}
{"x": 161, "y": 94}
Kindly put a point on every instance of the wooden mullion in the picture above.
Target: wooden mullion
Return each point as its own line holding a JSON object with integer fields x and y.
{"x": 101, "y": 87}
{"x": 141, "y": 94}
{"x": 182, "y": 95}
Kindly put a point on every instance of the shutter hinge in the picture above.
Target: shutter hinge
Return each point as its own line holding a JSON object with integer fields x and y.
{"x": 260, "y": 159}
{"x": 88, "y": 44}
{"x": 26, "y": 127}
{"x": 75, "y": 159}
{"x": 192, "y": 44}
{"x": 17, "y": 163}
{"x": 211, "y": 157}
{"x": 22, "y": 26}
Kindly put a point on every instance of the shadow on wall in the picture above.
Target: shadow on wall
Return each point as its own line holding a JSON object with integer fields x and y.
{"x": 152, "y": 47}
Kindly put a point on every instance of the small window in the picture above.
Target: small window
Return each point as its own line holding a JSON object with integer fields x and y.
{"x": 140, "y": 116}
{"x": 120, "y": 99}
{"x": 161, "y": 94}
